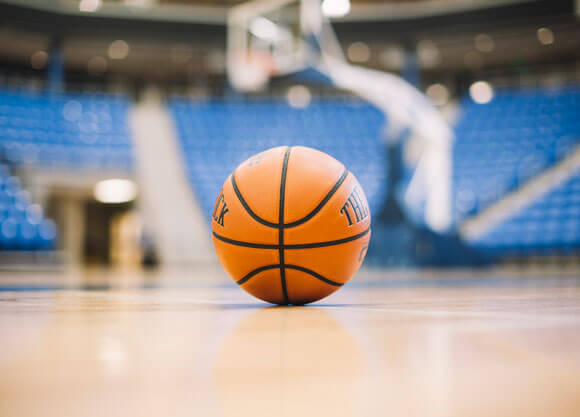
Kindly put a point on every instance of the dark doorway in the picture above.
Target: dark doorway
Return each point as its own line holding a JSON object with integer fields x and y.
{"x": 98, "y": 220}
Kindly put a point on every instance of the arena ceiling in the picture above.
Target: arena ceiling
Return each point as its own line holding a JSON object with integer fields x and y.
{"x": 482, "y": 40}
{"x": 215, "y": 11}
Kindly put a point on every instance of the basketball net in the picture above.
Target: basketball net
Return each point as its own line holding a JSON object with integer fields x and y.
{"x": 263, "y": 42}
{"x": 253, "y": 71}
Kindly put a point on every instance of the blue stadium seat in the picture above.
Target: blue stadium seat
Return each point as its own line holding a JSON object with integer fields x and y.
{"x": 217, "y": 135}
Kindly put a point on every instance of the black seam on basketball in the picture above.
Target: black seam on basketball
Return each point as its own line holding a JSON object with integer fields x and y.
{"x": 316, "y": 275}
{"x": 328, "y": 196}
{"x": 281, "y": 224}
{"x": 255, "y": 272}
{"x": 329, "y": 243}
{"x": 245, "y": 244}
{"x": 292, "y": 246}
{"x": 247, "y": 207}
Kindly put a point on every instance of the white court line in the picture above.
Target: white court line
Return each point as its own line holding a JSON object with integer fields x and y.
{"x": 539, "y": 316}
{"x": 164, "y": 298}
{"x": 469, "y": 314}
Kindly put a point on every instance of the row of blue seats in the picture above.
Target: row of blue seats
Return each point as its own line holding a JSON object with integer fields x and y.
{"x": 227, "y": 129}
{"x": 502, "y": 144}
{"x": 88, "y": 123}
{"x": 217, "y": 135}
{"x": 65, "y": 138}
{"x": 249, "y": 134}
{"x": 70, "y": 130}
{"x": 551, "y": 222}
{"x": 75, "y": 131}
{"x": 69, "y": 157}
{"x": 22, "y": 223}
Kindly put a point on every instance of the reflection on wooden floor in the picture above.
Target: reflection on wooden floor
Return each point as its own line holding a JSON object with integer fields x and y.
{"x": 439, "y": 347}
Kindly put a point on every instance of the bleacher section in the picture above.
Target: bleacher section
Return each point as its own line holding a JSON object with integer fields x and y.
{"x": 73, "y": 131}
{"x": 218, "y": 135}
{"x": 502, "y": 144}
{"x": 499, "y": 146}
{"x": 22, "y": 224}
{"x": 551, "y": 225}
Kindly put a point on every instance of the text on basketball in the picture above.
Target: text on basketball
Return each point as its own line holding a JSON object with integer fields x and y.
{"x": 220, "y": 209}
{"x": 354, "y": 209}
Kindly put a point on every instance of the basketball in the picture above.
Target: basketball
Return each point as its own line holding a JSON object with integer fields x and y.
{"x": 291, "y": 225}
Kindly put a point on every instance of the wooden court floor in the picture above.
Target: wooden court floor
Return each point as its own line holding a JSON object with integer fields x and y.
{"x": 446, "y": 346}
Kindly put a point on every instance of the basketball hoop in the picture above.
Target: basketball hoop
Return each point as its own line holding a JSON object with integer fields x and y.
{"x": 264, "y": 40}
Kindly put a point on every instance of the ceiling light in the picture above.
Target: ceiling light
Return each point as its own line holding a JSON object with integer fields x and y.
{"x": 298, "y": 96}
{"x": 358, "y": 52}
{"x": 545, "y": 36}
{"x": 335, "y": 8}
{"x": 137, "y": 3}
{"x": 89, "y": 5}
{"x": 428, "y": 53}
{"x": 392, "y": 57}
{"x": 118, "y": 49}
{"x": 481, "y": 92}
{"x": 438, "y": 93}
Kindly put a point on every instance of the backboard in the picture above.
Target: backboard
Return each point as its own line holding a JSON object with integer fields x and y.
{"x": 265, "y": 39}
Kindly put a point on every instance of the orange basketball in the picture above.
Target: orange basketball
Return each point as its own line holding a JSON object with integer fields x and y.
{"x": 291, "y": 225}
